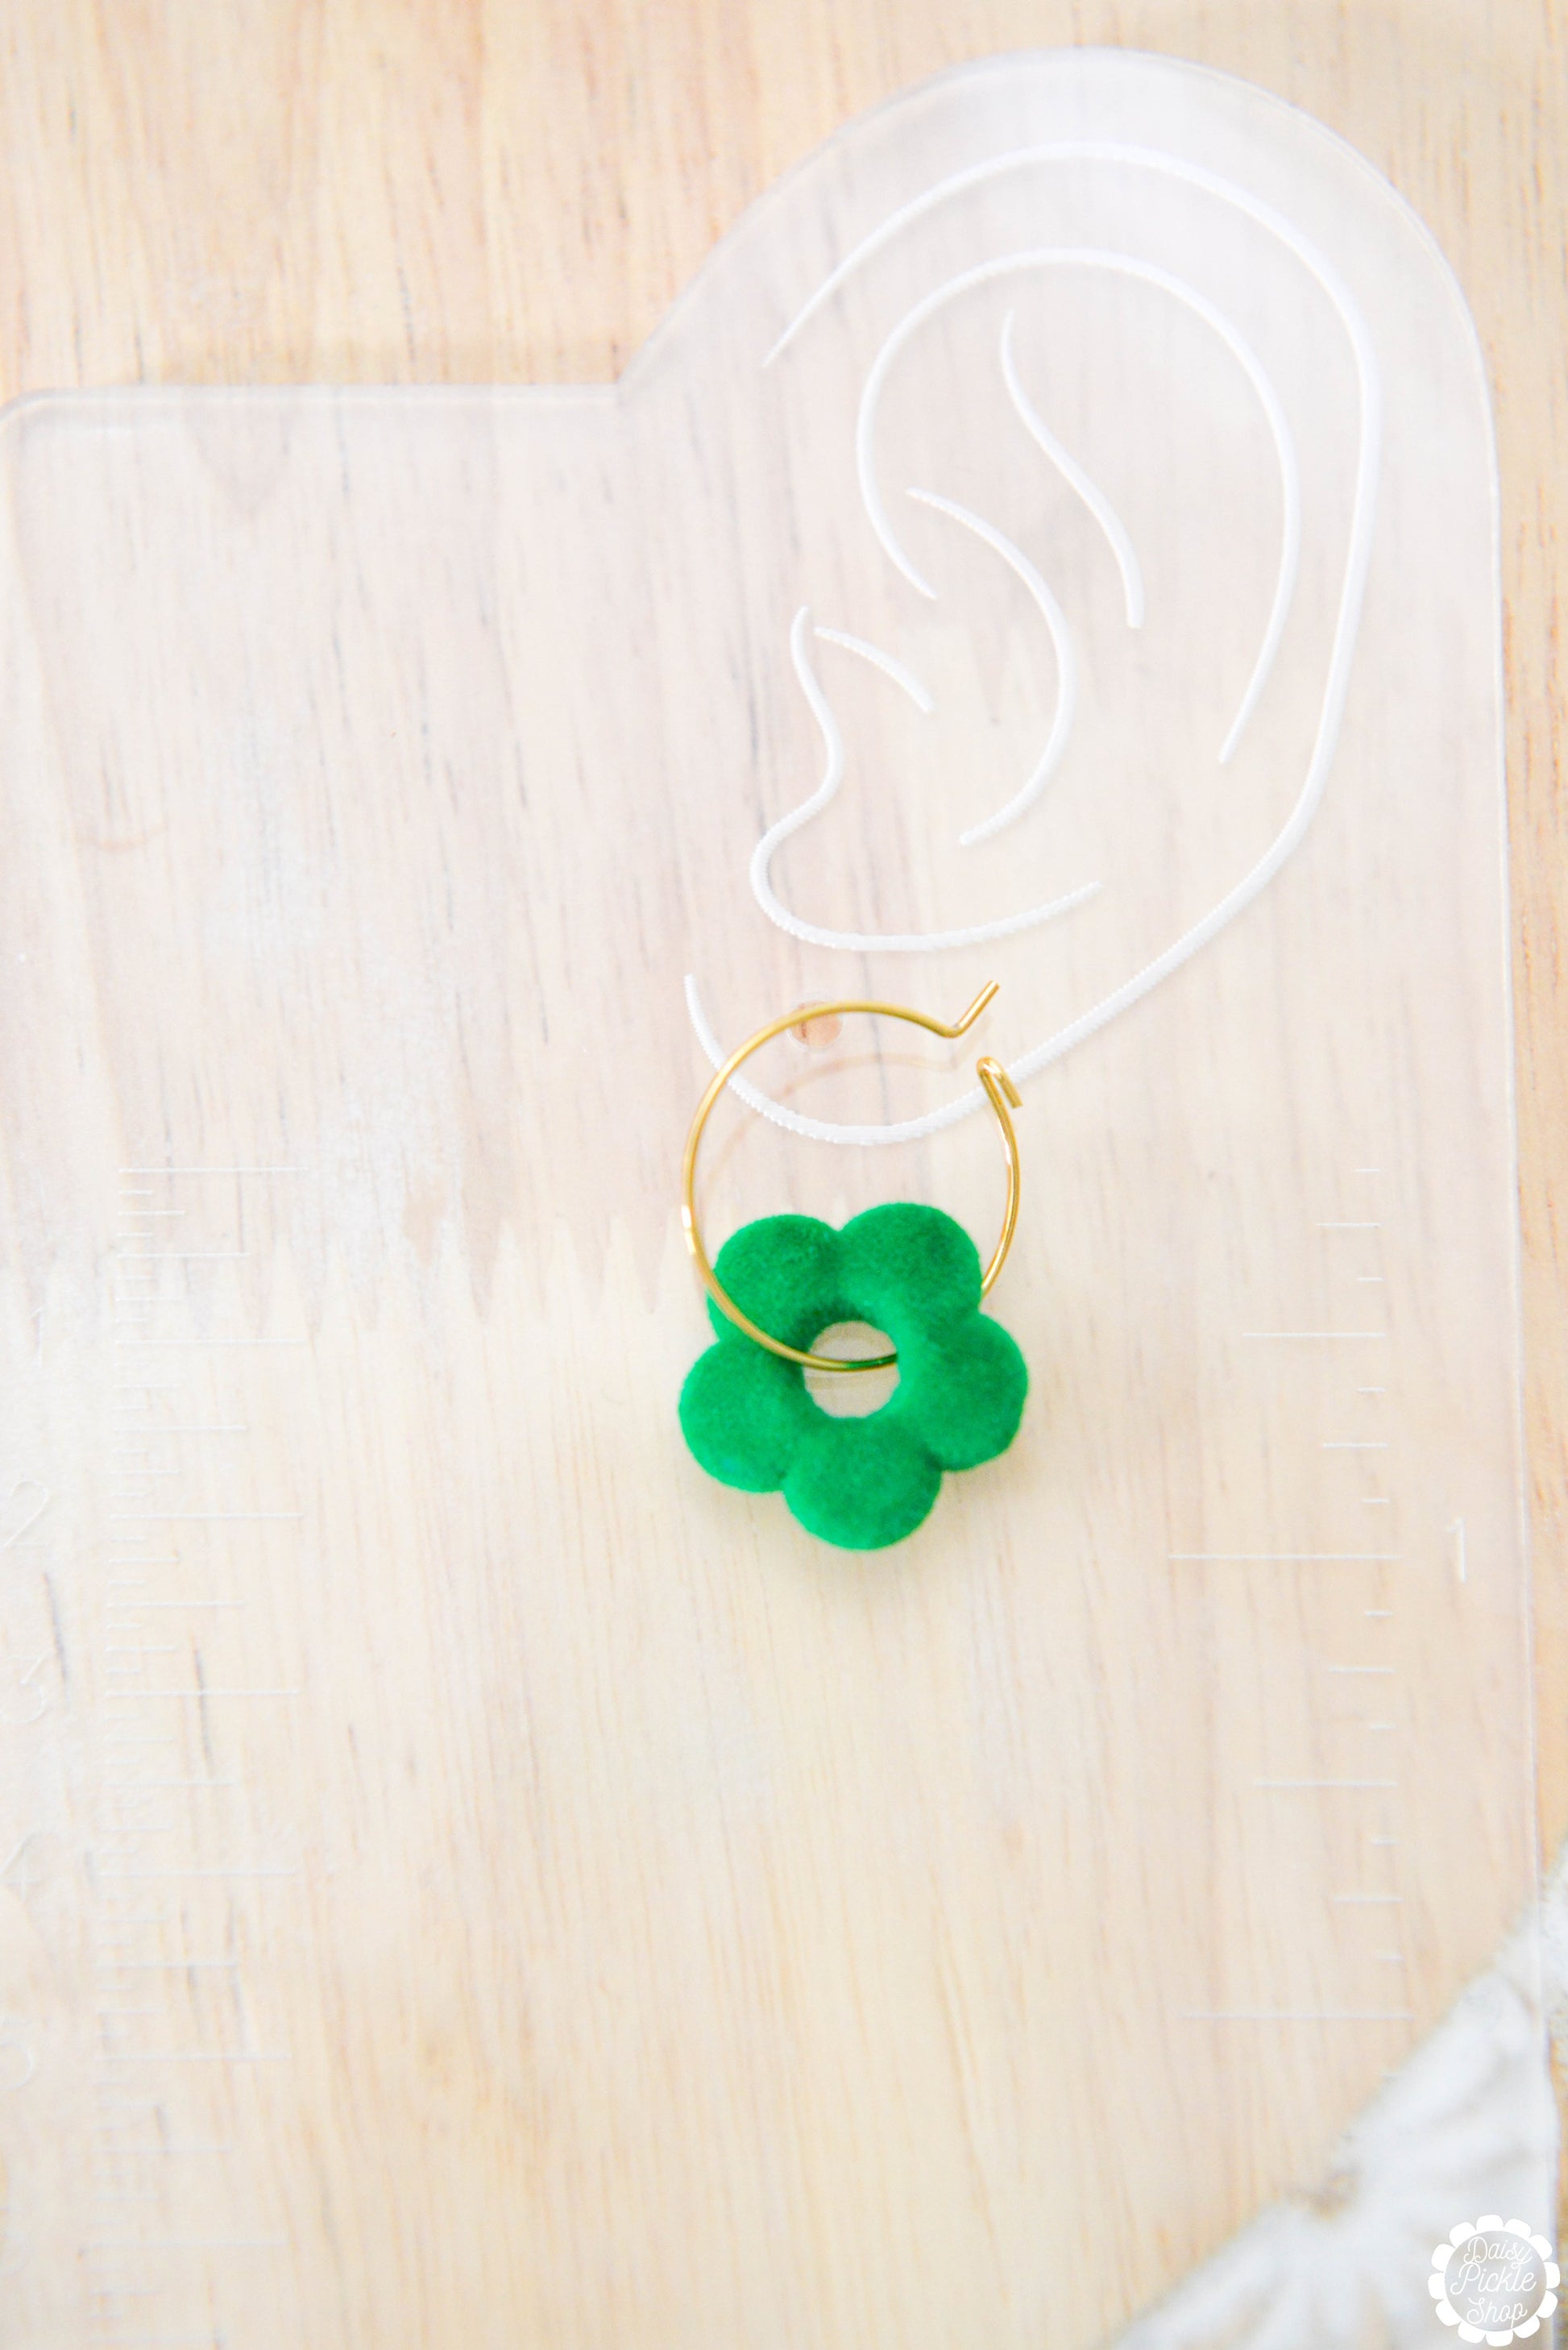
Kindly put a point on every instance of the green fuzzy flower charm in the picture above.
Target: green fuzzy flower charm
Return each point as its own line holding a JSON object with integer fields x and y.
{"x": 864, "y": 1482}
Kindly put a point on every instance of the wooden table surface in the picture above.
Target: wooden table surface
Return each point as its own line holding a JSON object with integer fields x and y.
{"x": 397, "y": 191}
{"x": 394, "y": 191}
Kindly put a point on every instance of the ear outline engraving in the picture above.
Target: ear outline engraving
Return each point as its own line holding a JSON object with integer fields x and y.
{"x": 1061, "y": 636}
{"x": 1088, "y": 491}
{"x": 1347, "y": 617}
{"x": 871, "y": 941}
{"x": 1115, "y": 265}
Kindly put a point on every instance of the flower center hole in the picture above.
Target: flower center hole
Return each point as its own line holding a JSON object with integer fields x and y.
{"x": 851, "y": 1395}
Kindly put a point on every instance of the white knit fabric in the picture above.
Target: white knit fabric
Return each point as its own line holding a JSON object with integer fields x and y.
{"x": 1467, "y": 2126}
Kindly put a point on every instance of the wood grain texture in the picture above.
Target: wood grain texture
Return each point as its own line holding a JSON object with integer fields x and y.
{"x": 384, "y": 193}
{"x": 284, "y": 190}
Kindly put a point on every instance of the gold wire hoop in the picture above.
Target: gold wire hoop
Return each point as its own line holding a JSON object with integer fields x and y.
{"x": 1000, "y": 1091}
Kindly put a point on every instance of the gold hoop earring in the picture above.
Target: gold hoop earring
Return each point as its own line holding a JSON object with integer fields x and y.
{"x": 744, "y": 1410}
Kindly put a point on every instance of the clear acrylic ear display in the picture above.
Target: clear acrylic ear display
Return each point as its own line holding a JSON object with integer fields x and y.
{"x": 464, "y": 1877}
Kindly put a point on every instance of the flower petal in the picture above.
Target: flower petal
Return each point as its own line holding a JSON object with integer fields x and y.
{"x": 908, "y": 1268}
{"x": 962, "y": 1392}
{"x": 861, "y": 1483}
{"x": 783, "y": 1272}
{"x": 743, "y": 1413}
